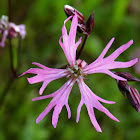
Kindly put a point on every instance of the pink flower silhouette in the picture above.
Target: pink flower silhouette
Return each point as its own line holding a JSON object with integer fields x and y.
{"x": 75, "y": 71}
{"x": 9, "y": 29}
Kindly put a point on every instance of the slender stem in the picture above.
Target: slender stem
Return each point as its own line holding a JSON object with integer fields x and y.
{"x": 10, "y": 10}
{"x": 18, "y": 51}
{"x": 12, "y": 77}
{"x": 10, "y": 41}
{"x": 11, "y": 58}
{"x": 6, "y": 89}
{"x": 82, "y": 47}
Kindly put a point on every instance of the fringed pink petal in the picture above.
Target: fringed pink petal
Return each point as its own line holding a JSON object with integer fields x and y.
{"x": 105, "y": 49}
{"x": 62, "y": 89}
{"x": 68, "y": 45}
{"x": 56, "y": 112}
{"x": 52, "y": 103}
{"x": 93, "y": 119}
{"x": 66, "y": 42}
{"x": 116, "y": 65}
{"x": 113, "y": 75}
{"x": 65, "y": 46}
{"x": 106, "y": 64}
{"x": 64, "y": 30}
{"x": 41, "y": 66}
{"x": 73, "y": 30}
{"x": 103, "y": 100}
{"x": 45, "y": 83}
{"x": 103, "y": 65}
{"x": 79, "y": 109}
{"x": 33, "y": 71}
{"x": 91, "y": 101}
{"x": 68, "y": 110}
{"x": 48, "y": 70}
{"x": 98, "y": 105}
{"x": 4, "y": 36}
{"x": 120, "y": 50}
{"x": 60, "y": 99}
{"x": 78, "y": 42}
{"x": 45, "y": 75}
{"x": 47, "y": 78}
{"x": 100, "y": 58}
{"x": 108, "y": 73}
{"x": 91, "y": 95}
{"x": 22, "y": 30}
{"x": 44, "y": 97}
{"x": 46, "y": 111}
{"x": 36, "y": 79}
{"x": 61, "y": 102}
{"x": 94, "y": 103}
{"x": 103, "y": 109}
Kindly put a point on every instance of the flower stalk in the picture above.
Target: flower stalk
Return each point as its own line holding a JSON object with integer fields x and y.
{"x": 10, "y": 30}
{"x": 82, "y": 47}
{"x": 10, "y": 10}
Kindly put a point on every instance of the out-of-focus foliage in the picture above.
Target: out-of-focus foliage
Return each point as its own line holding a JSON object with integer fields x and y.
{"x": 43, "y": 20}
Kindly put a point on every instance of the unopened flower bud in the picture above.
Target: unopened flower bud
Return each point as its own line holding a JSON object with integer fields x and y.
{"x": 138, "y": 108}
{"x": 70, "y": 11}
{"x": 123, "y": 86}
{"x": 90, "y": 23}
{"x": 134, "y": 98}
{"x": 131, "y": 92}
{"x": 127, "y": 76}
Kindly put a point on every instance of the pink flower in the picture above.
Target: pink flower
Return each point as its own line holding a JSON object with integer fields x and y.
{"x": 9, "y": 29}
{"x": 75, "y": 71}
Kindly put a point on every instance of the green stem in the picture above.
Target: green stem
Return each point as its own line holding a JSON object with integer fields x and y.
{"x": 5, "y": 91}
{"x": 12, "y": 55}
{"x": 18, "y": 52}
{"x": 10, "y": 10}
{"x": 82, "y": 47}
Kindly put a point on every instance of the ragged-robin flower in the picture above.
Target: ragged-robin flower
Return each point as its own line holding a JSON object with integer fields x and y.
{"x": 11, "y": 30}
{"x": 75, "y": 72}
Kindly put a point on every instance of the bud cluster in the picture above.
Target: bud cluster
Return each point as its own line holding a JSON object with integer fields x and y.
{"x": 83, "y": 27}
{"x": 131, "y": 92}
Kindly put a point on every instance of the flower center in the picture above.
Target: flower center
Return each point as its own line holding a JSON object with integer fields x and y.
{"x": 75, "y": 72}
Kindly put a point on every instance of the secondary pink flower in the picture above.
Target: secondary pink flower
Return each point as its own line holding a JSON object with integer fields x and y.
{"x": 75, "y": 71}
{"x": 9, "y": 29}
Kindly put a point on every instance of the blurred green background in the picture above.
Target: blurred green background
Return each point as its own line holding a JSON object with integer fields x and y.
{"x": 44, "y": 20}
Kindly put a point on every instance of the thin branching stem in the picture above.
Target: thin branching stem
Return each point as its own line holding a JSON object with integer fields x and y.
{"x": 82, "y": 47}
{"x": 18, "y": 52}
{"x": 6, "y": 89}
{"x": 10, "y": 10}
{"x": 12, "y": 76}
